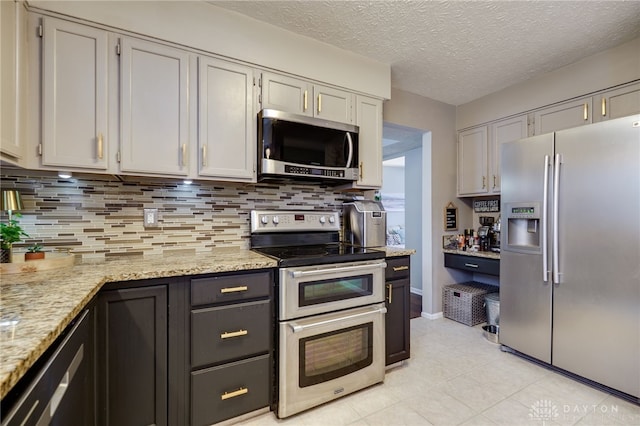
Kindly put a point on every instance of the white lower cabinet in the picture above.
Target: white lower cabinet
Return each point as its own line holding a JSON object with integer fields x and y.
{"x": 227, "y": 124}
{"x": 154, "y": 95}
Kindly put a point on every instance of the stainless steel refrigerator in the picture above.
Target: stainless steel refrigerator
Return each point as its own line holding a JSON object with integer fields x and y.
{"x": 570, "y": 260}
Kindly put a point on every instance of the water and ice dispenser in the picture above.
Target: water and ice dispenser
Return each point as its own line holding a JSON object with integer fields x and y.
{"x": 522, "y": 230}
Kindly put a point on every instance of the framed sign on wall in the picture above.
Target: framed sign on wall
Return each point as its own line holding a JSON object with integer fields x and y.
{"x": 450, "y": 217}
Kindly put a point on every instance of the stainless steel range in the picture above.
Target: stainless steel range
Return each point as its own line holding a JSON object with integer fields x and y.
{"x": 330, "y": 334}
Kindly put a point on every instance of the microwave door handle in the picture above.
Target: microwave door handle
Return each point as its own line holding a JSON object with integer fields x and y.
{"x": 350, "y": 157}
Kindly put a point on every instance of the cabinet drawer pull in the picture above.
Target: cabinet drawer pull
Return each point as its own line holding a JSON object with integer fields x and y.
{"x": 304, "y": 100}
{"x": 470, "y": 265}
{"x": 183, "y": 156}
{"x": 390, "y": 289}
{"x": 604, "y": 107}
{"x": 319, "y": 103}
{"x": 400, "y": 268}
{"x": 230, "y": 334}
{"x": 234, "y": 289}
{"x": 233, "y": 394}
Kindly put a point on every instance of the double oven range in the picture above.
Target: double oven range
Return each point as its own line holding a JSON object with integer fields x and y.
{"x": 330, "y": 308}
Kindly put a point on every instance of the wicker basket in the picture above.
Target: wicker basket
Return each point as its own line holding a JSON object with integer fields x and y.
{"x": 465, "y": 302}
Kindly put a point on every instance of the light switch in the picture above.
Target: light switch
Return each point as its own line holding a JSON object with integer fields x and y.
{"x": 150, "y": 218}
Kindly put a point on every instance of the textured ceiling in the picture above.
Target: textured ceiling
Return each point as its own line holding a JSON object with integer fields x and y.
{"x": 457, "y": 51}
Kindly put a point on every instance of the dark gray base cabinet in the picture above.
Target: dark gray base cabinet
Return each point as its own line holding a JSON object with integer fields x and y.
{"x": 232, "y": 336}
{"x": 133, "y": 368}
{"x": 398, "y": 303}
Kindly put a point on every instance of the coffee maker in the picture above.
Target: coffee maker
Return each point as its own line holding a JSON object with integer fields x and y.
{"x": 487, "y": 234}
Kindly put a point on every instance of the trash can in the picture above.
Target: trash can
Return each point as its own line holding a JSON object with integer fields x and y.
{"x": 492, "y": 304}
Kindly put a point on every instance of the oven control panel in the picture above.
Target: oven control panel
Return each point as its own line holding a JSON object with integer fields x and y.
{"x": 300, "y": 220}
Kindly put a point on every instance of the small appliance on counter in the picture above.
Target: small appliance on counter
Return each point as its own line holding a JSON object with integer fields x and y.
{"x": 364, "y": 223}
{"x": 489, "y": 241}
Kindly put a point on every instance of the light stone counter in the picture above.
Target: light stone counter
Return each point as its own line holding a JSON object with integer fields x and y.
{"x": 487, "y": 254}
{"x": 36, "y": 307}
{"x": 398, "y": 251}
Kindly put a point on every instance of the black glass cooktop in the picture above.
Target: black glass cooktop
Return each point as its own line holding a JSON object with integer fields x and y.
{"x": 319, "y": 254}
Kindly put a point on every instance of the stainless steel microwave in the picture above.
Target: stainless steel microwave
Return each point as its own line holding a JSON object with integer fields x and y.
{"x": 292, "y": 145}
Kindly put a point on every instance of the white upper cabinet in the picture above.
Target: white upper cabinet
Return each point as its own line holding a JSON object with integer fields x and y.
{"x": 300, "y": 97}
{"x": 74, "y": 96}
{"x": 617, "y": 103}
{"x": 332, "y": 104}
{"x": 12, "y": 80}
{"x": 473, "y": 163}
{"x": 227, "y": 123}
{"x": 154, "y": 95}
{"x": 508, "y": 130}
{"x": 369, "y": 120}
{"x": 286, "y": 94}
{"x": 564, "y": 116}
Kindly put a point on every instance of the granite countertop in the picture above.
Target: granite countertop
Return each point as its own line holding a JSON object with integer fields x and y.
{"x": 486, "y": 254}
{"x": 36, "y": 307}
{"x": 393, "y": 251}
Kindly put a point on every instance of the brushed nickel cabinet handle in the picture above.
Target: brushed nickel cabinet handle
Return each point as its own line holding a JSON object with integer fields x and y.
{"x": 319, "y": 103}
{"x": 304, "y": 97}
{"x": 495, "y": 185}
{"x": 233, "y": 394}
{"x": 484, "y": 182}
{"x": 234, "y": 289}
{"x": 604, "y": 107}
{"x": 390, "y": 292}
{"x": 100, "y": 148}
{"x": 230, "y": 334}
{"x": 470, "y": 265}
{"x": 400, "y": 268}
{"x": 183, "y": 151}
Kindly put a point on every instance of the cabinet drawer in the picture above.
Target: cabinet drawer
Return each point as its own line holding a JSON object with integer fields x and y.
{"x": 397, "y": 267}
{"x": 472, "y": 264}
{"x": 230, "y": 288}
{"x": 230, "y": 390}
{"x": 230, "y": 332}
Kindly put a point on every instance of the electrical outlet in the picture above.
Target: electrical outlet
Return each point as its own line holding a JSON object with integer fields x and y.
{"x": 150, "y": 218}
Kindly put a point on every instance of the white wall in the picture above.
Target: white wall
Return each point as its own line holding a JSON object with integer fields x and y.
{"x": 204, "y": 26}
{"x": 415, "y": 193}
{"x": 606, "y": 69}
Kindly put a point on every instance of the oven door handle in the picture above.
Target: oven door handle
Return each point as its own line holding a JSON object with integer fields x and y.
{"x": 299, "y": 274}
{"x": 297, "y": 328}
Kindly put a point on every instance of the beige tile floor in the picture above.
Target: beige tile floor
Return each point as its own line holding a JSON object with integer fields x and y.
{"x": 456, "y": 377}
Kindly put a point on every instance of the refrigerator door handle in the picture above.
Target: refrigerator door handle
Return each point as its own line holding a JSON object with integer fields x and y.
{"x": 556, "y": 196}
{"x": 545, "y": 218}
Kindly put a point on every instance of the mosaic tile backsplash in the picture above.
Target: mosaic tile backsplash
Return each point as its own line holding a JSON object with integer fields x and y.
{"x": 97, "y": 216}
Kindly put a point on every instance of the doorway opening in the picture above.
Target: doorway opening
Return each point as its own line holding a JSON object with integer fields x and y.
{"x": 406, "y": 195}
